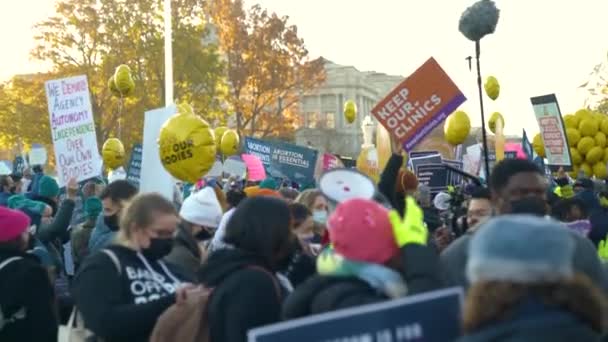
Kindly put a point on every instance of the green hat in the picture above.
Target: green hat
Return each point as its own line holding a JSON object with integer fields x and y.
{"x": 268, "y": 183}
{"x": 48, "y": 187}
{"x": 92, "y": 207}
{"x": 20, "y": 202}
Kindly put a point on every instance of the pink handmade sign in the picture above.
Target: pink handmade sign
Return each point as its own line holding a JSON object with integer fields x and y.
{"x": 255, "y": 167}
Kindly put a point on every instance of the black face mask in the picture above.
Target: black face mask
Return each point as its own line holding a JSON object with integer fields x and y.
{"x": 529, "y": 205}
{"x": 159, "y": 248}
{"x": 112, "y": 222}
{"x": 203, "y": 235}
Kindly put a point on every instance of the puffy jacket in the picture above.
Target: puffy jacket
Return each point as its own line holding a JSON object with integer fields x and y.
{"x": 322, "y": 294}
{"x": 246, "y": 294}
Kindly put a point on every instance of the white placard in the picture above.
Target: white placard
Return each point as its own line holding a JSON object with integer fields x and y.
{"x": 73, "y": 129}
{"x": 38, "y": 155}
{"x": 234, "y": 167}
{"x": 216, "y": 169}
{"x": 154, "y": 177}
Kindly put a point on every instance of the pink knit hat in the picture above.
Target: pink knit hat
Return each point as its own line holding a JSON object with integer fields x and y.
{"x": 12, "y": 224}
{"x": 360, "y": 230}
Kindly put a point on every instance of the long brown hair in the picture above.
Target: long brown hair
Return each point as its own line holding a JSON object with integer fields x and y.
{"x": 141, "y": 211}
{"x": 494, "y": 301}
{"x": 308, "y": 197}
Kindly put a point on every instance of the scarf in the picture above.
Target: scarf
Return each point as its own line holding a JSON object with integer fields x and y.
{"x": 381, "y": 278}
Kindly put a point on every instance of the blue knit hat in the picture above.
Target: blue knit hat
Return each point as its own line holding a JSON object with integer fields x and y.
{"x": 520, "y": 249}
{"x": 268, "y": 183}
{"x": 92, "y": 207}
{"x": 48, "y": 187}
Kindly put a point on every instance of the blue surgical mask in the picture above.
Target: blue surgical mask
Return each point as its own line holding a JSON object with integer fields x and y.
{"x": 319, "y": 216}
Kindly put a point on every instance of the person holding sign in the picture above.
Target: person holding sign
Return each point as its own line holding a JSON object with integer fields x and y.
{"x": 377, "y": 255}
{"x": 528, "y": 291}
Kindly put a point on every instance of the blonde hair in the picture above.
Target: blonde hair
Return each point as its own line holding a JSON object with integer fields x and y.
{"x": 140, "y": 213}
{"x": 308, "y": 197}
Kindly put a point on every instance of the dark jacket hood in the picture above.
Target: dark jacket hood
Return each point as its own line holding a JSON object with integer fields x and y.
{"x": 226, "y": 261}
{"x": 185, "y": 238}
{"x": 590, "y": 199}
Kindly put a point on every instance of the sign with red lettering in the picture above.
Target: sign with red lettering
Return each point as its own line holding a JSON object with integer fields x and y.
{"x": 73, "y": 129}
{"x": 552, "y": 131}
{"x": 420, "y": 103}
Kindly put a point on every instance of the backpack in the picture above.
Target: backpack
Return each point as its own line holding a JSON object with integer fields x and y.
{"x": 188, "y": 322}
{"x": 20, "y": 313}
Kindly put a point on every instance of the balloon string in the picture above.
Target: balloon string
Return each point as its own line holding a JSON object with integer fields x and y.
{"x": 120, "y": 106}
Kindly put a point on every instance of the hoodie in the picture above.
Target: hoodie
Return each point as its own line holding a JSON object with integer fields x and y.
{"x": 121, "y": 302}
{"x": 246, "y": 294}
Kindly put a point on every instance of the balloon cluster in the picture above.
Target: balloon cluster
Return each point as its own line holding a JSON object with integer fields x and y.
{"x": 457, "y": 128}
{"x": 586, "y": 132}
{"x": 121, "y": 84}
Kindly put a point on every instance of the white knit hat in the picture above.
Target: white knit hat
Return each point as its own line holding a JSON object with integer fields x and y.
{"x": 202, "y": 208}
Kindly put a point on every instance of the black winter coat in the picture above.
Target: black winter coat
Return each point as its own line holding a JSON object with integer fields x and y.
{"x": 243, "y": 297}
{"x": 185, "y": 255}
{"x": 24, "y": 284}
{"x": 322, "y": 294}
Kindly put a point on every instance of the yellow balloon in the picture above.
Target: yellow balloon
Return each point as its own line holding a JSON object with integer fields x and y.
{"x": 588, "y": 170}
{"x": 585, "y": 145}
{"x": 186, "y": 146}
{"x": 582, "y": 114}
{"x": 538, "y": 145}
{"x": 573, "y": 136}
{"x": 604, "y": 126}
{"x": 112, "y": 86}
{"x": 571, "y": 121}
{"x": 492, "y": 87}
{"x": 123, "y": 80}
{"x": 606, "y": 154}
{"x": 457, "y": 128}
{"x": 367, "y": 163}
{"x": 599, "y": 170}
{"x": 594, "y": 155}
{"x": 350, "y": 111}
{"x": 600, "y": 139}
{"x": 219, "y": 133}
{"x": 113, "y": 153}
{"x": 588, "y": 127}
{"x": 229, "y": 143}
{"x": 576, "y": 156}
{"x": 493, "y": 119}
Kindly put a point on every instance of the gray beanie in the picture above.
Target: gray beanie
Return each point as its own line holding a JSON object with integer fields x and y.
{"x": 520, "y": 249}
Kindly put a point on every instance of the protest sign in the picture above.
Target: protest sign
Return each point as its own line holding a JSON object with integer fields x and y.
{"x": 153, "y": 176}
{"x": 453, "y": 177}
{"x": 419, "y": 104}
{"x": 134, "y": 168}
{"x": 424, "y": 157}
{"x": 432, "y": 316}
{"x": 331, "y": 162}
{"x": 73, "y": 129}
{"x": 255, "y": 167}
{"x": 37, "y": 155}
{"x": 235, "y": 166}
{"x": 6, "y": 167}
{"x": 552, "y": 131}
{"x": 283, "y": 160}
{"x": 19, "y": 165}
{"x": 527, "y": 146}
{"x": 435, "y": 176}
{"x": 216, "y": 169}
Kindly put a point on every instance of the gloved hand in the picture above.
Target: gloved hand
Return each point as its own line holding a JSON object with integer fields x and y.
{"x": 602, "y": 250}
{"x": 411, "y": 228}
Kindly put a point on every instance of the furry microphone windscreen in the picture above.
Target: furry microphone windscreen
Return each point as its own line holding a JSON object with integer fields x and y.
{"x": 479, "y": 20}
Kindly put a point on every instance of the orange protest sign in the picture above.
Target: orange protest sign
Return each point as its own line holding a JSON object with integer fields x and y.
{"x": 419, "y": 104}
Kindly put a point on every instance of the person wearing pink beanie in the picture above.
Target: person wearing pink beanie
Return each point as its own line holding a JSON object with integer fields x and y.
{"x": 26, "y": 294}
{"x": 375, "y": 255}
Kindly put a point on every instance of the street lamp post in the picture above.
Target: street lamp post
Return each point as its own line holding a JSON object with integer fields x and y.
{"x": 168, "y": 55}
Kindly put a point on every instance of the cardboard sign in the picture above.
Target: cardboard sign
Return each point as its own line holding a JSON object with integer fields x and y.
{"x": 153, "y": 176}
{"x": 435, "y": 176}
{"x": 73, "y": 129}
{"x": 419, "y": 104}
{"x": 283, "y": 160}
{"x": 431, "y": 316}
{"x": 552, "y": 130}
{"x": 134, "y": 169}
{"x": 453, "y": 177}
{"x": 37, "y": 155}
